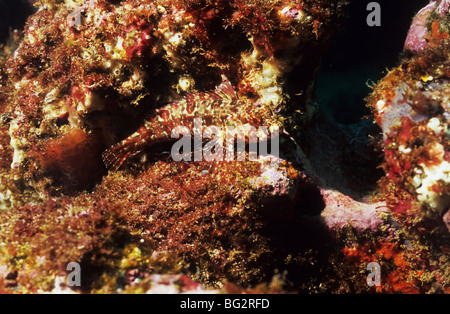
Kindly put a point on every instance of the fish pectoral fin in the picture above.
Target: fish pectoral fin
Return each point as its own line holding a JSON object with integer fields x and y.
{"x": 225, "y": 89}
{"x": 116, "y": 155}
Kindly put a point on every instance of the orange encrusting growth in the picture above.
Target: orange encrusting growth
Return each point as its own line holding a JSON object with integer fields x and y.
{"x": 437, "y": 37}
{"x": 398, "y": 276}
{"x": 73, "y": 158}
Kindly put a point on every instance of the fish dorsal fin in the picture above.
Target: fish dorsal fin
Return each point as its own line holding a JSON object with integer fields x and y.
{"x": 225, "y": 89}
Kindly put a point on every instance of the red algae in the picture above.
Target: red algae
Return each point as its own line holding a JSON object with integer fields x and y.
{"x": 73, "y": 159}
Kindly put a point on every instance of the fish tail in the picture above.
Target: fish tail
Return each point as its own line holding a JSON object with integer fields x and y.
{"x": 116, "y": 155}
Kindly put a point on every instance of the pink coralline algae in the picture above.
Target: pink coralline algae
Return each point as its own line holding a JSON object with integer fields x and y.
{"x": 443, "y": 7}
{"x": 416, "y": 40}
{"x": 446, "y": 220}
{"x": 419, "y": 34}
{"x": 341, "y": 211}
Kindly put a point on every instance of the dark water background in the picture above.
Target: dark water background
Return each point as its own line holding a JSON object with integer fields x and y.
{"x": 13, "y": 14}
{"x": 361, "y": 54}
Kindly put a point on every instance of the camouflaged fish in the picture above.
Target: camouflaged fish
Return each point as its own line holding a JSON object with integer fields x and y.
{"x": 218, "y": 107}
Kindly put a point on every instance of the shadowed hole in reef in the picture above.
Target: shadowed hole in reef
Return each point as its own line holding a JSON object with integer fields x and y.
{"x": 301, "y": 243}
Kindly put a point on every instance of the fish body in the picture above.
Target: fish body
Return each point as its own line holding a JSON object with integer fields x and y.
{"x": 214, "y": 107}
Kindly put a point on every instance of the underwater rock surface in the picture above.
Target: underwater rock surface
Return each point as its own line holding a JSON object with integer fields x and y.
{"x": 89, "y": 74}
{"x": 411, "y": 106}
